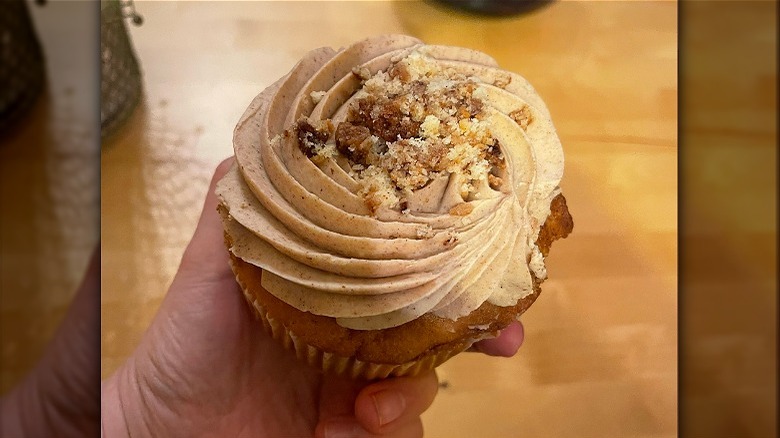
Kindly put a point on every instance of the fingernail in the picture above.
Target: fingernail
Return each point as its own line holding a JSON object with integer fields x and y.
{"x": 343, "y": 429}
{"x": 389, "y": 406}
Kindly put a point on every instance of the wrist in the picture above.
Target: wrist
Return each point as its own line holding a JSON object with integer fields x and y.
{"x": 29, "y": 409}
{"x": 12, "y": 406}
{"x": 124, "y": 412}
{"x": 113, "y": 423}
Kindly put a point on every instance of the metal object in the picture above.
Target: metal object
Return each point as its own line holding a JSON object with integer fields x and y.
{"x": 496, "y": 7}
{"x": 21, "y": 62}
{"x": 120, "y": 74}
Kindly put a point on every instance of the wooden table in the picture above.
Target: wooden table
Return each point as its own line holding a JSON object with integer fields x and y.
{"x": 729, "y": 295}
{"x": 600, "y": 357}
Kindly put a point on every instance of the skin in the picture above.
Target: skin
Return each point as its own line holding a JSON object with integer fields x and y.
{"x": 205, "y": 368}
{"x": 60, "y": 397}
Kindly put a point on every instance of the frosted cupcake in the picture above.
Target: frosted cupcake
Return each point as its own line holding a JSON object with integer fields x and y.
{"x": 391, "y": 204}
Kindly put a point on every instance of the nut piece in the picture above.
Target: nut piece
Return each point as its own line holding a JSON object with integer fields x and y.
{"x": 310, "y": 135}
{"x": 351, "y": 141}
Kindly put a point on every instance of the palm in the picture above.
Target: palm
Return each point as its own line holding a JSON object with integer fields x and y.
{"x": 235, "y": 372}
{"x": 206, "y": 367}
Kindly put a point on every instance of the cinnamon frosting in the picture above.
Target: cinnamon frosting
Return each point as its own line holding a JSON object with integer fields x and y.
{"x": 390, "y": 179}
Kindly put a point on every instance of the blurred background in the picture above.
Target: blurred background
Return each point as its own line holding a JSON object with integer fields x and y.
{"x": 728, "y": 245}
{"x": 601, "y": 352}
{"x": 49, "y": 178}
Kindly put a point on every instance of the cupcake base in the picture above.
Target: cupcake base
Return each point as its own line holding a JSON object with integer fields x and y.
{"x": 406, "y": 350}
{"x": 346, "y": 366}
{"x": 335, "y": 349}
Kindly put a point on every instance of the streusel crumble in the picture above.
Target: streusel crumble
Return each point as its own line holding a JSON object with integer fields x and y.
{"x": 408, "y": 125}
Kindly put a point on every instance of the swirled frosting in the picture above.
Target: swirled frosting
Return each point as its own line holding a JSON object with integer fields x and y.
{"x": 390, "y": 179}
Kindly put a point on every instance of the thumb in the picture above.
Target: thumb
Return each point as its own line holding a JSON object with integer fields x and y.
{"x": 201, "y": 295}
{"x": 199, "y": 260}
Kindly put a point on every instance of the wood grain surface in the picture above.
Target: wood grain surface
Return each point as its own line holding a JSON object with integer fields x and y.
{"x": 729, "y": 250}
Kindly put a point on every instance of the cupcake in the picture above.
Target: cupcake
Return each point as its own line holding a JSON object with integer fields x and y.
{"x": 392, "y": 203}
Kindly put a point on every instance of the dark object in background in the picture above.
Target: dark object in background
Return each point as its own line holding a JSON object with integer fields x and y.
{"x": 120, "y": 75}
{"x": 21, "y": 62}
{"x": 496, "y": 7}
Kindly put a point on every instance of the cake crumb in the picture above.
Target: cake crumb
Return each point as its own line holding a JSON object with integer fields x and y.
{"x": 313, "y": 136}
{"x": 503, "y": 80}
{"x": 494, "y": 182}
{"x": 361, "y": 72}
{"x": 522, "y": 116}
{"x": 462, "y": 209}
{"x": 354, "y": 142}
{"x": 409, "y": 125}
{"x": 316, "y": 96}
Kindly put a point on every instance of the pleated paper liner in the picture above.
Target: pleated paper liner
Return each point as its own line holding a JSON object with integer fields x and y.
{"x": 347, "y": 366}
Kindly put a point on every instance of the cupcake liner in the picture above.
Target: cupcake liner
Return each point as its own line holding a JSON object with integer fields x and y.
{"x": 346, "y": 366}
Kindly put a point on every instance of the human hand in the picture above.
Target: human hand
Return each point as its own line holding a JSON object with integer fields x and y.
{"x": 206, "y": 367}
{"x": 60, "y": 396}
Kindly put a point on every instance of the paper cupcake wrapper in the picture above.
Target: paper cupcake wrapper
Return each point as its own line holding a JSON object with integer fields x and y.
{"x": 346, "y": 366}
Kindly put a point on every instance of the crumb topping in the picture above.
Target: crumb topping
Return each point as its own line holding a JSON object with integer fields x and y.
{"x": 461, "y": 209}
{"x": 522, "y": 116}
{"x": 503, "y": 80}
{"x": 409, "y": 125}
{"x": 313, "y": 138}
{"x": 316, "y": 96}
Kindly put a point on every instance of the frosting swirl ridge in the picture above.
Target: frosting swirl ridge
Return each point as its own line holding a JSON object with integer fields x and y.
{"x": 390, "y": 179}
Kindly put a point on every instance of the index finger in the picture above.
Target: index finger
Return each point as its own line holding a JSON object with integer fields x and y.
{"x": 505, "y": 344}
